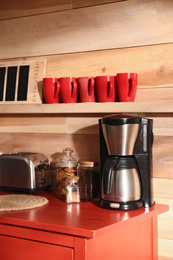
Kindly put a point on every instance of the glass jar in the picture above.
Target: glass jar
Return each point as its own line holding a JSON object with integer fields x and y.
{"x": 66, "y": 166}
{"x": 72, "y": 189}
{"x": 89, "y": 180}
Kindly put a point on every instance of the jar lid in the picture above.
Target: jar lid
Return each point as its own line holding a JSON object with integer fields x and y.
{"x": 67, "y": 160}
{"x": 72, "y": 178}
{"x": 86, "y": 163}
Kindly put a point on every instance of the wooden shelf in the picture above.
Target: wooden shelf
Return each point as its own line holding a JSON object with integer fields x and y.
{"x": 165, "y": 106}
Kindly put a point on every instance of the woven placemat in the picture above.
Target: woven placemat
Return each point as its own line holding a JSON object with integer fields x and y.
{"x": 19, "y": 202}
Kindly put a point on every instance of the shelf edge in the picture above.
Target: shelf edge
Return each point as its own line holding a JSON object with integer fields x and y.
{"x": 164, "y": 106}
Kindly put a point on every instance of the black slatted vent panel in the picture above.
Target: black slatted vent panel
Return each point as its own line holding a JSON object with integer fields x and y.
{"x": 14, "y": 83}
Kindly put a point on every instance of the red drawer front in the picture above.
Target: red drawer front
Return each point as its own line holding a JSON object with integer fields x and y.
{"x": 19, "y": 249}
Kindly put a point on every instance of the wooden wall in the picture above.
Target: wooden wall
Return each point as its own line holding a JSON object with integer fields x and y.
{"x": 90, "y": 38}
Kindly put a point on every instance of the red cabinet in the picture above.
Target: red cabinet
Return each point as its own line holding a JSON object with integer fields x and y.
{"x": 80, "y": 232}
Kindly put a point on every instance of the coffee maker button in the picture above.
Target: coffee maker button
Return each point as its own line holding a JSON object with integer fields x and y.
{"x": 114, "y": 205}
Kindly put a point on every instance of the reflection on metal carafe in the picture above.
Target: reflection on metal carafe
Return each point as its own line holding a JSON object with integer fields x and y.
{"x": 121, "y": 180}
{"x": 120, "y": 140}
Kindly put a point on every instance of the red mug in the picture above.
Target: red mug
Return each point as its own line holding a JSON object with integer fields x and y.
{"x": 105, "y": 88}
{"x": 68, "y": 89}
{"x": 51, "y": 88}
{"x": 126, "y": 84}
{"x": 86, "y": 89}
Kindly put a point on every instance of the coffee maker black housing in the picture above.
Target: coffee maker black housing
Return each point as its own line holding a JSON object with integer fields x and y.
{"x": 126, "y": 162}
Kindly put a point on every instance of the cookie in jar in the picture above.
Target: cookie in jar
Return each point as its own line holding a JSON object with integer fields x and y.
{"x": 66, "y": 167}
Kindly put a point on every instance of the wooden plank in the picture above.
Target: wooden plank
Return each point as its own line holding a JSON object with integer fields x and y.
{"x": 163, "y": 188}
{"x": 49, "y": 124}
{"x": 84, "y": 3}
{"x": 161, "y": 129}
{"x": 165, "y": 227}
{"x": 165, "y": 247}
{"x": 164, "y": 258}
{"x": 158, "y": 74}
{"x": 74, "y": 30}
{"x": 85, "y": 147}
{"x": 30, "y": 124}
{"x": 19, "y": 8}
{"x": 80, "y": 125}
{"x": 165, "y": 222}
{"x": 154, "y": 66}
{"x": 151, "y": 94}
{"x": 163, "y": 160}
{"x": 83, "y": 125}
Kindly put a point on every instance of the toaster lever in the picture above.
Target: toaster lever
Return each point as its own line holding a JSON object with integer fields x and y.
{"x": 42, "y": 166}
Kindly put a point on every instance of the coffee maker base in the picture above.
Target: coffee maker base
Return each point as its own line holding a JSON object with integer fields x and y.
{"x": 121, "y": 205}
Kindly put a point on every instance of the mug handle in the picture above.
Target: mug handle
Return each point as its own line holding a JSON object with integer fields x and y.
{"x": 132, "y": 87}
{"x": 91, "y": 86}
{"x": 74, "y": 88}
{"x": 110, "y": 89}
{"x": 57, "y": 88}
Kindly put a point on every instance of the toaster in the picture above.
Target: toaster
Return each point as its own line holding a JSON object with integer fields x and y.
{"x": 24, "y": 172}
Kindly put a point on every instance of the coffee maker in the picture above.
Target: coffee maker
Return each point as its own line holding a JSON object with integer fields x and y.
{"x": 126, "y": 162}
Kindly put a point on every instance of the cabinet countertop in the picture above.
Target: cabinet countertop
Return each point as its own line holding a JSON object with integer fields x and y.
{"x": 85, "y": 219}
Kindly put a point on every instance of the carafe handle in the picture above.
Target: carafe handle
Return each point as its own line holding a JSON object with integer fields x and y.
{"x": 107, "y": 174}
